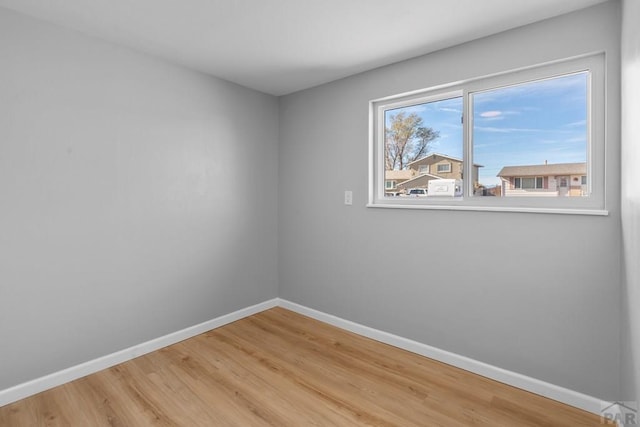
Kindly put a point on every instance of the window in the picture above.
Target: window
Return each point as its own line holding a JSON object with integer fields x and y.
{"x": 529, "y": 182}
{"x": 444, "y": 168}
{"x": 389, "y": 185}
{"x": 514, "y": 135}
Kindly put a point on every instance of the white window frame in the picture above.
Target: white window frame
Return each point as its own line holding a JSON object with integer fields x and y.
{"x": 593, "y": 204}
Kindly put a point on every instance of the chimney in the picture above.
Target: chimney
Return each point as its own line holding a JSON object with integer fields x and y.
{"x": 545, "y": 163}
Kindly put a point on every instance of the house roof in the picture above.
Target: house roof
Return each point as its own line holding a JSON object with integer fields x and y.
{"x": 399, "y": 174}
{"x": 440, "y": 155}
{"x": 434, "y": 155}
{"x": 408, "y": 182}
{"x": 545, "y": 170}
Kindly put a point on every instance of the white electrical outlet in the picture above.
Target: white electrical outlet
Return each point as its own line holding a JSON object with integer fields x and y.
{"x": 348, "y": 197}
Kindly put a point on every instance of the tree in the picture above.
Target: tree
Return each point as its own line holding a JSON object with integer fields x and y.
{"x": 406, "y": 140}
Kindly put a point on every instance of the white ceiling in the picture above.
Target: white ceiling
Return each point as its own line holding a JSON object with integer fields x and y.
{"x": 282, "y": 46}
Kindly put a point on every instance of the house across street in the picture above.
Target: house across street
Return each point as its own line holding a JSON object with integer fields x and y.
{"x": 552, "y": 180}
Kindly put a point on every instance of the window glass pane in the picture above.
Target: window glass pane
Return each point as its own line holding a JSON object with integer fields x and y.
{"x": 419, "y": 136}
{"x": 446, "y": 167}
{"x": 528, "y": 183}
{"x": 536, "y": 129}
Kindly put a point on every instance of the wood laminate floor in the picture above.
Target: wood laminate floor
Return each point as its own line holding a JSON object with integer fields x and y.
{"x": 278, "y": 368}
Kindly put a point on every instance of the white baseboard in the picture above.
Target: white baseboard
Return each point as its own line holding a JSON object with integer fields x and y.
{"x": 560, "y": 394}
{"x": 542, "y": 388}
{"x": 55, "y": 379}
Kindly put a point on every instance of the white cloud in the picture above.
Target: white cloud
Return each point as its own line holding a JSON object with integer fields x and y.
{"x": 577, "y": 139}
{"x": 579, "y": 123}
{"x": 505, "y": 129}
{"x": 490, "y": 114}
{"x": 451, "y": 110}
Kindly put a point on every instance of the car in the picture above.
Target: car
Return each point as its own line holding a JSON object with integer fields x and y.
{"x": 417, "y": 192}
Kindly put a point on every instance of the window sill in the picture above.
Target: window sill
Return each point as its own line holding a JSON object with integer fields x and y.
{"x": 562, "y": 211}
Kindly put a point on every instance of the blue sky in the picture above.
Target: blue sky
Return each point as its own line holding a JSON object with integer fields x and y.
{"x": 517, "y": 125}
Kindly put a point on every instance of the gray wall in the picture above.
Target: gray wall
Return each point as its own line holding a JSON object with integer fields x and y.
{"x": 138, "y": 198}
{"x": 537, "y": 294}
{"x": 630, "y": 372}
